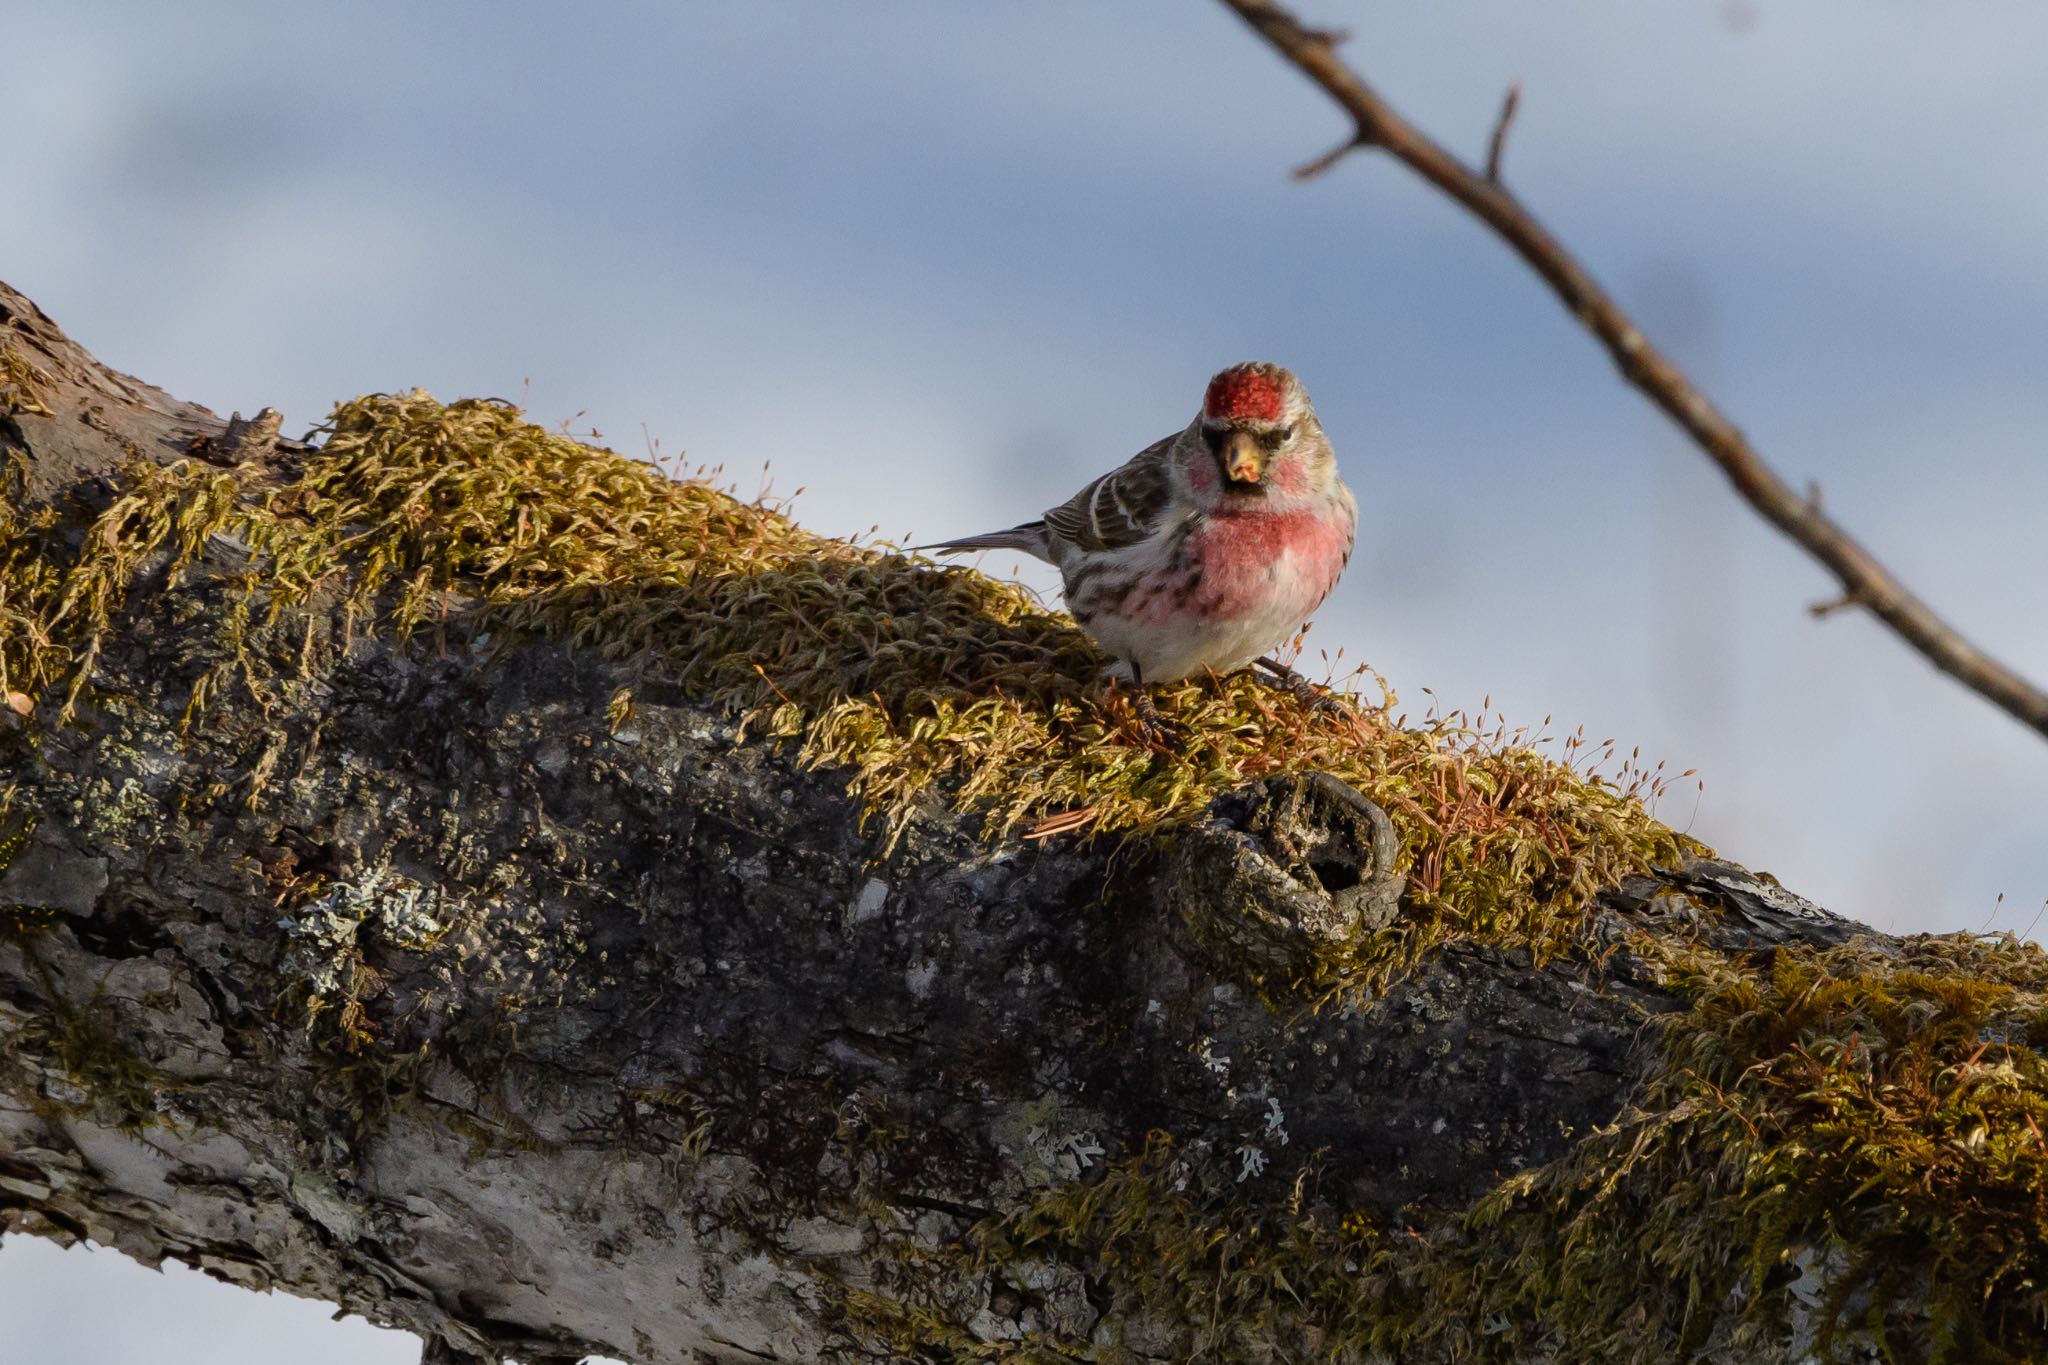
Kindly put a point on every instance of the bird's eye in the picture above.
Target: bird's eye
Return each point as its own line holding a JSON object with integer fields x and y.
{"x": 1285, "y": 434}
{"x": 1212, "y": 437}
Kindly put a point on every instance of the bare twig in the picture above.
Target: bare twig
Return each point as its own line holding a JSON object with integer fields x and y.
{"x": 1497, "y": 145}
{"x": 1863, "y": 580}
{"x": 1820, "y": 611}
{"x": 1309, "y": 170}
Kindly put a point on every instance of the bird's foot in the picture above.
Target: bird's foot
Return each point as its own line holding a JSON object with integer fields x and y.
{"x": 1304, "y": 691}
{"x": 1156, "y": 731}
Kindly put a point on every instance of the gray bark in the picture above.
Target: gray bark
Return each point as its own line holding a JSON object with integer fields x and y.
{"x": 638, "y": 1043}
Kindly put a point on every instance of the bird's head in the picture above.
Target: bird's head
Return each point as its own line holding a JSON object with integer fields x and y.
{"x": 1259, "y": 428}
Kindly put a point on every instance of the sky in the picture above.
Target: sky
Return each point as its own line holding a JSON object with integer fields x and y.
{"x": 938, "y": 264}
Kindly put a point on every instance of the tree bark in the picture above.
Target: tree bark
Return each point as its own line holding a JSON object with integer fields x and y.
{"x": 632, "y": 1039}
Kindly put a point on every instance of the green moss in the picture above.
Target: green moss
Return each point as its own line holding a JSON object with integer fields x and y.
{"x": 108, "y": 1076}
{"x": 1828, "y": 1137}
{"x": 23, "y": 384}
{"x": 14, "y": 841}
{"x": 1841, "y": 1149}
{"x": 20, "y": 922}
{"x": 115, "y": 1080}
{"x": 682, "y": 1111}
{"x": 915, "y": 680}
{"x": 33, "y": 565}
{"x": 1169, "y": 1242}
{"x": 1872, "y": 1121}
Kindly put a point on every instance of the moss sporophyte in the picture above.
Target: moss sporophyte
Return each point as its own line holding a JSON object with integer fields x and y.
{"x": 1818, "y": 1137}
{"x": 909, "y": 678}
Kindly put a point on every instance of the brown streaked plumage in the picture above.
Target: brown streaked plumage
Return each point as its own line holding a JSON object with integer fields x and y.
{"x": 1208, "y": 547}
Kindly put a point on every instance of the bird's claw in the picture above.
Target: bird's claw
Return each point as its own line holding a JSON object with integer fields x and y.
{"x": 1322, "y": 703}
{"x": 1156, "y": 730}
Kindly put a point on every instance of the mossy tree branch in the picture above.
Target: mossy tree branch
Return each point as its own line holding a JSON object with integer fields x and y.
{"x": 470, "y": 878}
{"x": 1864, "y": 581}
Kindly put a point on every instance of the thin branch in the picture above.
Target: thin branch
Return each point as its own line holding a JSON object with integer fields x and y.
{"x": 1497, "y": 145}
{"x": 1863, "y": 580}
{"x": 1820, "y": 611}
{"x": 1309, "y": 170}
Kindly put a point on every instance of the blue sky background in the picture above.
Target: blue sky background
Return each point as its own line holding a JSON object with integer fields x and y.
{"x": 942, "y": 262}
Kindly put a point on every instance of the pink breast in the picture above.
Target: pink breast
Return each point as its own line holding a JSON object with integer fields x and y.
{"x": 1256, "y": 562}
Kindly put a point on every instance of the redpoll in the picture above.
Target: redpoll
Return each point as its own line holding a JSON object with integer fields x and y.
{"x": 1208, "y": 547}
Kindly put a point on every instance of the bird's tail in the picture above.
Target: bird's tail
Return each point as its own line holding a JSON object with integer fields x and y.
{"x": 1030, "y": 538}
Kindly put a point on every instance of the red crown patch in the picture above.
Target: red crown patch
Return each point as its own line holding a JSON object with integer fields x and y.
{"x": 1244, "y": 393}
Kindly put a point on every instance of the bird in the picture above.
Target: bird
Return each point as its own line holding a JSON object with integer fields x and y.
{"x": 1210, "y": 546}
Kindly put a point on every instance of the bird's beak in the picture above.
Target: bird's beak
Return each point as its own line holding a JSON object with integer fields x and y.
{"x": 1242, "y": 460}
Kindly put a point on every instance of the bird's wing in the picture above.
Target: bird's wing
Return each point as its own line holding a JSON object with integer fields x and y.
{"x": 1121, "y": 508}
